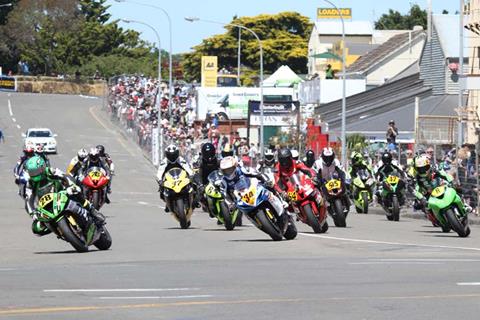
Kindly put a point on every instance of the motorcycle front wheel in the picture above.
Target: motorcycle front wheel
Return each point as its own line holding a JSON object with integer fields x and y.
{"x": 180, "y": 213}
{"x": 268, "y": 226}
{"x": 395, "y": 209}
{"x": 312, "y": 219}
{"x": 456, "y": 225}
{"x": 70, "y": 236}
{"x": 227, "y": 217}
{"x": 339, "y": 219}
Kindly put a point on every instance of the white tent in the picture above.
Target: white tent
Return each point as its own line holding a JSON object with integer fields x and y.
{"x": 283, "y": 77}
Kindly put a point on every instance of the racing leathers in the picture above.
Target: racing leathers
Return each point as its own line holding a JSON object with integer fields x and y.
{"x": 55, "y": 181}
{"x": 76, "y": 167}
{"x": 165, "y": 166}
{"x": 282, "y": 176}
{"x": 325, "y": 173}
{"x": 425, "y": 185}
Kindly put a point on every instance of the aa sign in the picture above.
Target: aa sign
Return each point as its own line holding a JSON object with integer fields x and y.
{"x": 209, "y": 71}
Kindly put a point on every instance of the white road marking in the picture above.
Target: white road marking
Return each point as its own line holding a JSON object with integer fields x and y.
{"x": 10, "y": 108}
{"x": 392, "y": 262}
{"x": 390, "y": 243}
{"x": 18, "y": 126}
{"x": 468, "y": 283}
{"x": 428, "y": 260}
{"x": 7, "y": 269}
{"x": 14, "y": 120}
{"x": 143, "y": 203}
{"x": 158, "y": 297}
{"x": 121, "y": 290}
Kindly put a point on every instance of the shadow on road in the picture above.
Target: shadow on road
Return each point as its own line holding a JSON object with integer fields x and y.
{"x": 59, "y": 252}
{"x": 253, "y": 240}
{"x": 221, "y": 230}
{"x": 178, "y": 228}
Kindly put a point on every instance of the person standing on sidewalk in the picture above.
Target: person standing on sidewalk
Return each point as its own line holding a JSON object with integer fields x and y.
{"x": 392, "y": 133}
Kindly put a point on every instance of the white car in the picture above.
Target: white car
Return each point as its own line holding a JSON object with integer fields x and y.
{"x": 40, "y": 136}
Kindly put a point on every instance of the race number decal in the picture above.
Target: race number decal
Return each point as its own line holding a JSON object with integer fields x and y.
{"x": 438, "y": 191}
{"x": 333, "y": 184}
{"x": 393, "y": 179}
{"x": 46, "y": 199}
{"x": 95, "y": 175}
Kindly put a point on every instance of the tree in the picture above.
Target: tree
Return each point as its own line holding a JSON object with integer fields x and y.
{"x": 394, "y": 20}
{"x": 284, "y": 38}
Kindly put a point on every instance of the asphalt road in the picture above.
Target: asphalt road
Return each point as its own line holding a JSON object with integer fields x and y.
{"x": 373, "y": 269}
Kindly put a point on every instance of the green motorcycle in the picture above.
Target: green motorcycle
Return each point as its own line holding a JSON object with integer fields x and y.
{"x": 449, "y": 210}
{"x": 392, "y": 196}
{"x": 362, "y": 187}
{"x": 52, "y": 211}
{"x": 216, "y": 203}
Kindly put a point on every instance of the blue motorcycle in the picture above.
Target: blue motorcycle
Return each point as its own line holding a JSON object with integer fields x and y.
{"x": 253, "y": 200}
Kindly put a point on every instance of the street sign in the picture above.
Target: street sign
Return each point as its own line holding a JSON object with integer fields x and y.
{"x": 8, "y": 83}
{"x": 332, "y": 13}
{"x": 209, "y": 71}
{"x": 275, "y": 113}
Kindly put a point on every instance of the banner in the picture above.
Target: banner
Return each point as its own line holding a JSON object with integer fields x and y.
{"x": 155, "y": 153}
{"x": 209, "y": 71}
{"x": 332, "y": 13}
{"x": 8, "y": 83}
{"x": 275, "y": 113}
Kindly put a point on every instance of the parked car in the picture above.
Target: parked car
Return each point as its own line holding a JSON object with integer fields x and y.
{"x": 40, "y": 136}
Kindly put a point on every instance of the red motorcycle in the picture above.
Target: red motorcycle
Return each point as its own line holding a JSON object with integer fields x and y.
{"x": 95, "y": 186}
{"x": 311, "y": 208}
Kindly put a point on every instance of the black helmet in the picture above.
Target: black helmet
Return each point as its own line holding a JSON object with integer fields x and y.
{"x": 172, "y": 153}
{"x": 328, "y": 155}
{"x": 269, "y": 158}
{"x": 208, "y": 152}
{"x": 285, "y": 159}
{"x": 310, "y": 158}
{"x": 387, "y": 158}
{"x": 101, "y": 150}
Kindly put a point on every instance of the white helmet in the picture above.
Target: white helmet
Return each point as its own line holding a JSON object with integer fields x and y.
{"x": 82, "y": 154}
{"x": 295, "y": 154}
{"x": 328, "y": 156}
{"x": 228, "y": 166}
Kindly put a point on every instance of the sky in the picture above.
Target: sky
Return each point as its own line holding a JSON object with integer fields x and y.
{"x": 187, "y": 34}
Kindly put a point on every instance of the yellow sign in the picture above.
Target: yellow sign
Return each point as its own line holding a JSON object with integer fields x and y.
{"x": 331, "y": 13}
{"x": 209, "y": 71}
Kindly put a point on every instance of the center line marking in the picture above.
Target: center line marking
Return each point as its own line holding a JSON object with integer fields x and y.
{"x": 14, "y": 120}
{"x": 157, "y": 297}
{"x": 468, "y": 283}
{"x": 121, "y": 290}
{"x": 10, "y": 108}
{"x": 18, "y": 126}
{"x": 389, "y": 243}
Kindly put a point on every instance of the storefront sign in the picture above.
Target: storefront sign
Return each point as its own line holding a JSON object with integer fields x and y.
{"x": 332, "y": 13}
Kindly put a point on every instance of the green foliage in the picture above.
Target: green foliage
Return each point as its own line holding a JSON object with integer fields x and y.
{"x": 394, "y": 20}
{"x": 356, "y": 142}
{"x": 57, "y": 37}
{"x": 284, "y": 38}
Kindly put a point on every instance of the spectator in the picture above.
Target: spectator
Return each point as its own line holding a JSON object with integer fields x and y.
{"x": 252, "y": 153}
{"x": 391, "y": 135}
{"x": 329, "y": 72}
{"x": 2, "y": 137}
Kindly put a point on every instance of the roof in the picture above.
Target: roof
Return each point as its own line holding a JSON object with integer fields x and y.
{"x": 351, "y": 28}
{"x": 381, "y": 52}
{"x": 448, "y": 30}
{"x": 282, "y": 77}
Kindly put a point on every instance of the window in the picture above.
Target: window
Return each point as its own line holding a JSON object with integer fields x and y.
{"x": 40, "y": 134}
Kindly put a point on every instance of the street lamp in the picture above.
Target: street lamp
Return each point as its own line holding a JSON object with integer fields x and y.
{"x": 170, "y": 81}
{"x": 344, "y": 93}
{"x": 193, "y": 19}
{"x": 155, "y": 154}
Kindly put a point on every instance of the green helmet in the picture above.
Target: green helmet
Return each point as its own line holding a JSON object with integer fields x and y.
{"x": 36, "y": 168}
{"x": 356, "y": 157}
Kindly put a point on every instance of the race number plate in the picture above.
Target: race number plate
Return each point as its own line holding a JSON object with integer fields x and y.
{"x": 292, "y": 195}
{"x": 249, "y": 197}
{"x": 393, "y": 179}
{"x": 438, "y": 191}
{"x": 45, "y": 200}
{"x": 333, "y": 184}
{"x": 95, "y": 175}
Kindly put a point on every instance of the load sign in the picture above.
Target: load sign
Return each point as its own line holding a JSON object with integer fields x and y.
{"x": 332, "y": 13}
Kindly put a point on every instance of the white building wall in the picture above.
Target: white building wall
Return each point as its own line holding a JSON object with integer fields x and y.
{"x": 320, "y": 91}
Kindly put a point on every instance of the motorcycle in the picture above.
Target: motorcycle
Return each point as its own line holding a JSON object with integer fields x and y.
{"x": 362, "y": 186}
{"x": 95, "y": 184}
{"x": 337, "y": 203}
{"x": 216, "y": 203}
{"x": 392, "y": 196}
{"x": 311, "y": 209}
{"x": 252, "y": 199}
{"x": 178, "y": 193}
{"x": 53, "y": 212}
{"x": 449, "y": 210}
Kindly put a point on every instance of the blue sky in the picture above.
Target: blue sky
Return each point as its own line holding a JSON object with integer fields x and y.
{"x": 187, "y": 35}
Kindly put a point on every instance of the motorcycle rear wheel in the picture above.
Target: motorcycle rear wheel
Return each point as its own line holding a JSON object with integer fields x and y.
{"x": 269, "y": 227}
{"x": 339, "y": 219}
{"x": 70, "y": 236}
{"x": 456, "y": 225}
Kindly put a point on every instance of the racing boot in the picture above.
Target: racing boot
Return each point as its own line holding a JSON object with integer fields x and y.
{"x": 39, "y": 228}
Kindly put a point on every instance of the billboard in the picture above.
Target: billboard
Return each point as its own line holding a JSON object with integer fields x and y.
{"x": 332, "y": 13}
{"x": 275, "y": 113}
{"x": 209, "y": 71}
{"x": 8, "y": 83}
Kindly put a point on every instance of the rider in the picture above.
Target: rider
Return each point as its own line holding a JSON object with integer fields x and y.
{"x": 27, "y": 154}
{"x": 233, "y": 173}
{"x": 172, "y": 160}
{"x": 309, "y": 158}
{"x": 39, "y": 151}
{"x": 387, "y": 166}
{"x": 227, "y": 151}
{"x": 77, "y": 164}
{"x": 208, "y": 162}
{"x": 286, "y": 167}
{"x": 268, "y": 160}
{"x": 111, "y": 166}
{"x": 95, "y": 160}
{"x": 43, "y": 180}
{"x": 358, "y": 163}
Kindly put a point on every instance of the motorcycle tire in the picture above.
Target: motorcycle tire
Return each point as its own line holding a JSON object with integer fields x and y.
{"x": 339, "y": 218}
{"x": 96, "y": 200}
{"x": 269, "y": 227}
{"x": 227, "y": 217}
{"x": 239, "y": 221}
{"x": 105, "y": 240}
{"x": 395, "y": 209}
{"x": 456, "y": 225}
{"x": 291, "y": 232}
{"x": 365, "y": 203}
{"x": 180, "y": 213}
{"x": 70, "y": 236}
{"x": 325, "y": 227}
{"x": 446, "y": 229}
{"x": 312, "y": 219}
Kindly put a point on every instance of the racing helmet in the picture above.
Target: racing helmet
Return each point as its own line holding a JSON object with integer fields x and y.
{"x": 227, "y": 151}
{"x": 172, "y": 153}
{"x": 228, "y": 166}
{"x": 387, "y": 158}
{"x": 356, "y": 158}
{"x": 82, "y": 154}
{"x": 28, "y": 152}
{"x": 36, "y": 168}
{"x": 422, "y": 166}
{"x": 295, "y": 154}
{"x": 269, "y": 158}
{"x": 328, "y": 155}
{"x": 309, "y": 158}
{"x": 94, "y": 156}
{"x": 101, "y": 150}
{"x": 285, "y": 159}
{"x": 209, "y": 153}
